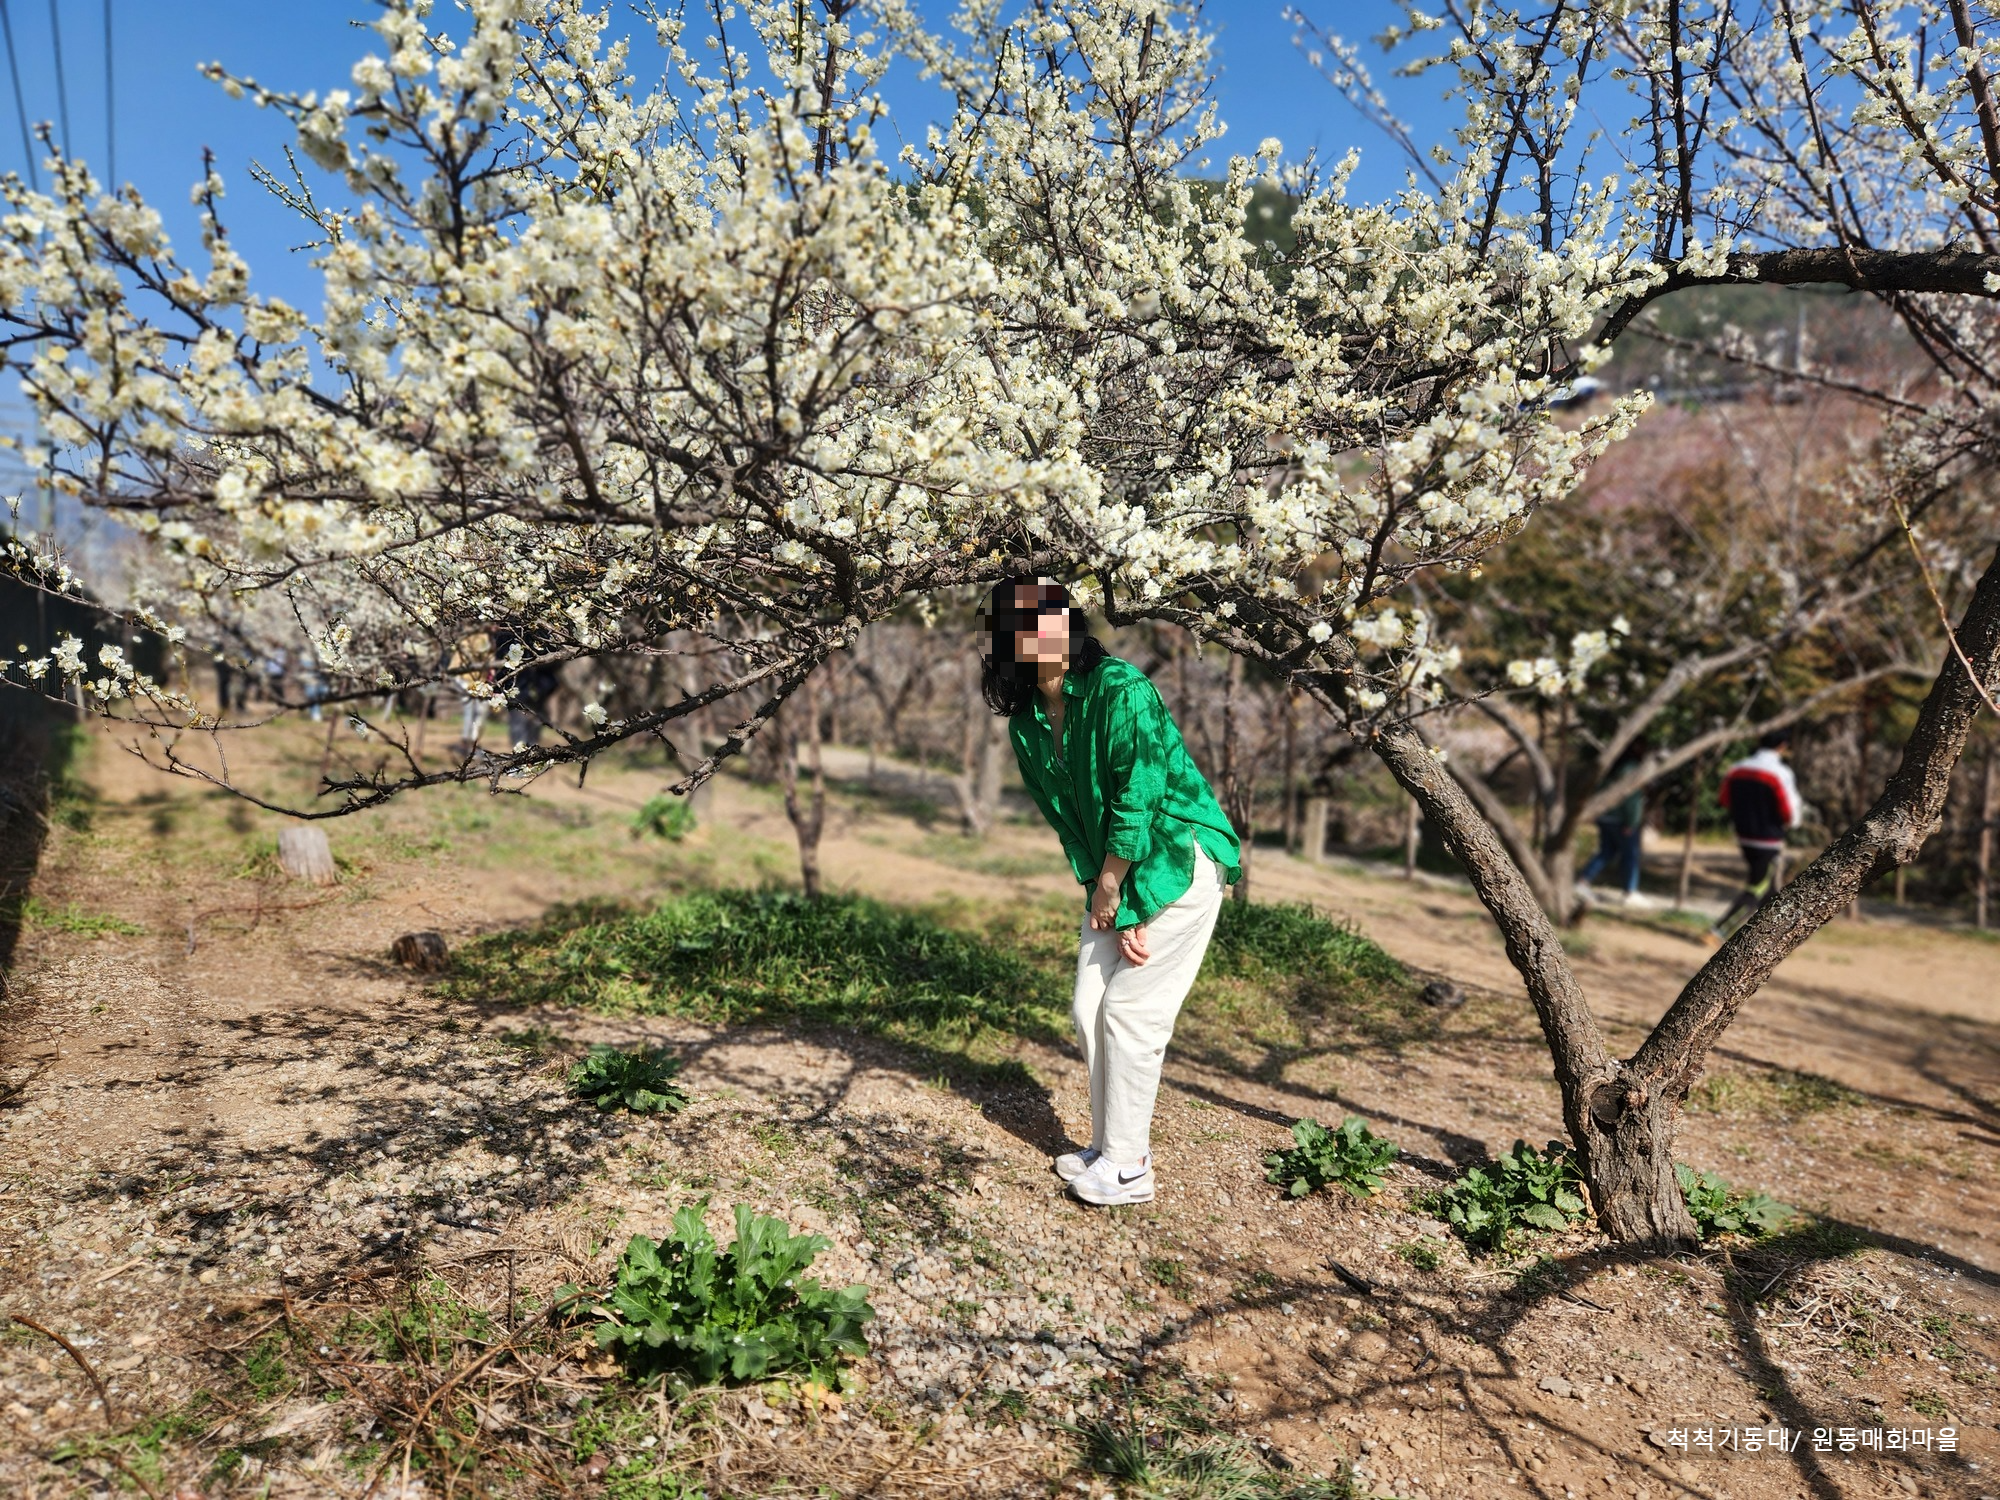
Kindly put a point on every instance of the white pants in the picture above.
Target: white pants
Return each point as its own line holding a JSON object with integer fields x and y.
{"x": 1125, "y": 1012}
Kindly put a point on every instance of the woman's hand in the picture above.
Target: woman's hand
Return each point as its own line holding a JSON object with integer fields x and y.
{"x": 1104, "y": 903}
{"x": 1132, "y": 944}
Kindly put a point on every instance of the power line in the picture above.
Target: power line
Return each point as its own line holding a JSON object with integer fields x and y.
{"x": 20, "y": 100}
{"x": 62, "y": 88}
{"x": 110, "y": 107}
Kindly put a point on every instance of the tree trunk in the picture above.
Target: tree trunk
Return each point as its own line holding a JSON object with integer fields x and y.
{"x": 808, "y": 818}
{"x": 1621, "y": 1115}
{"x": 1559, "y": 870}
{"x": 1314, "y": 831}
{"x": 304, "y": 854}
{"x": 1289, "y": 772}
{"x": 1986, "y": 816}
{"x": 1410, "y": 830}
{"x": 993, "y": 745}
{"x": 1238, "y": 781}
{"x": 977, "y": 765}
{"x": 1622, "y": 1130}
{"x": 1687, "y": 841}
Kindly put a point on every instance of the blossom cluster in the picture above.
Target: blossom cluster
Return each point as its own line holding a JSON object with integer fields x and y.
{"x": 697, "y": 368}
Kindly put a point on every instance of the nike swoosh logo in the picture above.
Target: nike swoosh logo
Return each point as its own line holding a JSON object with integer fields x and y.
{"x": 1124, "y": 1181}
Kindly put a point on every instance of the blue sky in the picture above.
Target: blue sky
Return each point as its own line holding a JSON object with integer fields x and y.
{"x": 166, "y": 113}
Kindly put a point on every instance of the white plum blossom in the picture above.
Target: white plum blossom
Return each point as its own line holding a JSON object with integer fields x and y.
{"x": 604, "y": 368}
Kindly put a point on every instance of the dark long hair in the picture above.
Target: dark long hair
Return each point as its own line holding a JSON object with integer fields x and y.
{"x": 1009, "y": 684}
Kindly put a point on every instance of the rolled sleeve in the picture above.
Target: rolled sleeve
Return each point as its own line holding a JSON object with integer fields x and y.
{"x": 1137, "y": 760}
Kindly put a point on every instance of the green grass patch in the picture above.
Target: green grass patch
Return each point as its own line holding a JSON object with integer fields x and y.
{"x": 265, "y": 1368}
{"x": 1283, "y": 981}
{"x": 424, "y": 1326}
{"x": 618, "y": 1441}
{"x": 1166, "y": 1271}
{"x": 72, "y": 918}
{"x": 1928, "y": 1403}
{"x": 1172, "y": 1453}
{"x": 735, "y": 956}
{"x": 1775, "y": 1093}
{"x": 144, "y": 1450}
{"x": 1290, "y": 939}
{"x": 1421, "y": 1254}
{"x": 978, "y": 858}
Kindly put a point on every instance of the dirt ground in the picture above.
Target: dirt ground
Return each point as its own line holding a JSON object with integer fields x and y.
{"x": 214, "y": 1088}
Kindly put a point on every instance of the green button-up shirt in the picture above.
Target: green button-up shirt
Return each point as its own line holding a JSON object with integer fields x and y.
{"x": 1124, "y": 785}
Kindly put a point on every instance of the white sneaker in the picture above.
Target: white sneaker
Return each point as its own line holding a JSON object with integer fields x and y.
{"x": 1107, "y": 1183}
{"x": 1640, "y": 901}
{"x": 1073, "y": 1164}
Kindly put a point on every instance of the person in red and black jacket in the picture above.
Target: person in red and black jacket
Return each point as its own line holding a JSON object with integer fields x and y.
{"x": 1763, "y": 802}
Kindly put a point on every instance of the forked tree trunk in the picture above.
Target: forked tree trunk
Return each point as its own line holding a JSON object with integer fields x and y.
{"x": 1624, "y": 1147}
{"x": 1621, "y": 1115}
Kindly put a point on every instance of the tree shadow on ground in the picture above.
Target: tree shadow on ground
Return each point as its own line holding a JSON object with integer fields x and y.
{"x": 1413, "y": 1330}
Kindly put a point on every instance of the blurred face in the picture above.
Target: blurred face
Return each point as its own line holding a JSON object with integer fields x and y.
{"x": 1049, "y": 640}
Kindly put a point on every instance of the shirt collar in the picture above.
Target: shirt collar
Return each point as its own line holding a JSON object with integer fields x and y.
{"x": 1074, "y": 686}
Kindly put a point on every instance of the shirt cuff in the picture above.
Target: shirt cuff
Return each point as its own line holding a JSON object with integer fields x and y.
{"x": 1129, "y": 843}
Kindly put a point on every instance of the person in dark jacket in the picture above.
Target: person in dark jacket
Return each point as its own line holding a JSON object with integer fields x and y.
{"x": 1763, "y": 802}
{"x": 1621, "y": 836}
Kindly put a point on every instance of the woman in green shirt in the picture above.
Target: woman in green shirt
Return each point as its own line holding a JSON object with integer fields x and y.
{"x": 1101, "y": 758}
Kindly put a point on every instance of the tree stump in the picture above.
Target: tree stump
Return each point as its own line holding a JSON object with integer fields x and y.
{"x": 423, "y": 951}
{"x": 304, "y": 854}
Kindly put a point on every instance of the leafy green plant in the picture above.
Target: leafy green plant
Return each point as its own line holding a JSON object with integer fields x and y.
{"x": 1352, "y": 1157}
{"x": 1928, "y": 1403}
{"x": 1523, "y": 1188}
{"x": 1167, "y": 1271}
{"x": 1421, "y": 1254}
{"x": 746, "y": 1313}
{"x": 664, "y": 817}
{"x": 1719, "y": 1209}
{"x": 640, "y": 1081}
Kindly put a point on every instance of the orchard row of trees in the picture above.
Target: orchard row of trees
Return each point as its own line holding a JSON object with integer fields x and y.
{"x": 693, "y": 371}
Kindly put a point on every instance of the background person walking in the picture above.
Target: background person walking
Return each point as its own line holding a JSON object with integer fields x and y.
{"x": 1101, "y": 758}
{"x": 1621, "y": 834}
{"x": 1763, "y": 801}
